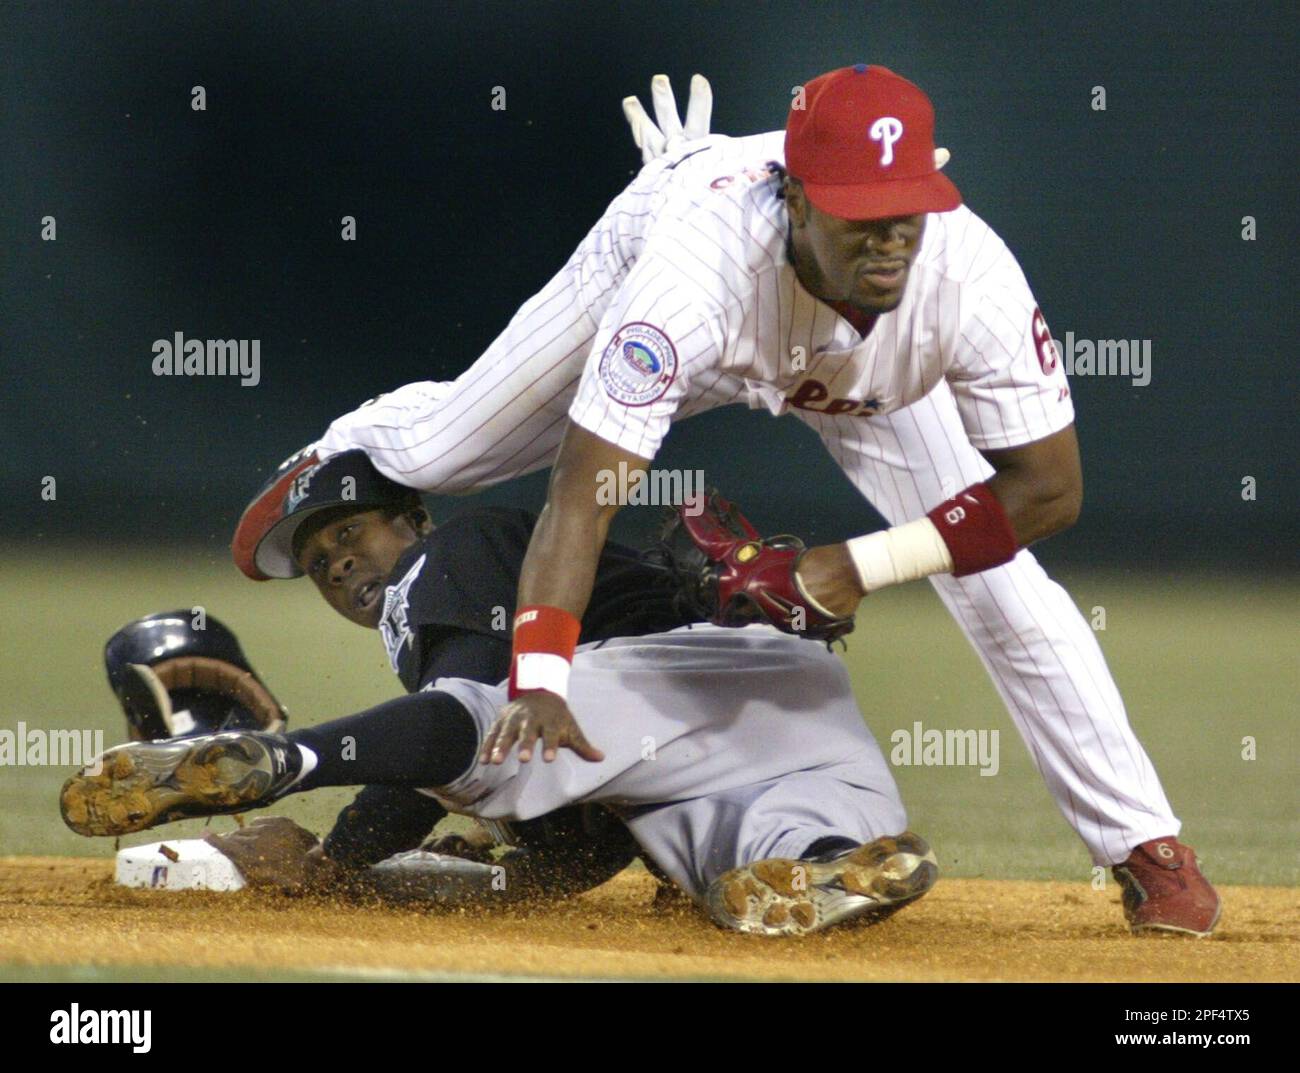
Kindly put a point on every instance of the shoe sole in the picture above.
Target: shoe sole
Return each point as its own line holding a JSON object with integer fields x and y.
{"x": 1173, "y": 929}
{"x": 782, "y": 896}
{"x": 142, "y": 785}
{"x": 1170, "y": 930}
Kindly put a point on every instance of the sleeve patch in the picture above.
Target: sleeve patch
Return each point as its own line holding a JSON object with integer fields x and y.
{"x": 639, "y": 364}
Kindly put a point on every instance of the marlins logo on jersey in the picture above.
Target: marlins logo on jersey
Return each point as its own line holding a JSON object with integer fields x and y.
{"x": 393, "y": 626}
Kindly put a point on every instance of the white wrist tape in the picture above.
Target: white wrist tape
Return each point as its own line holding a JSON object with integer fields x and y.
{"x": 903, "y": 553}
{"x": 542, "y": 670}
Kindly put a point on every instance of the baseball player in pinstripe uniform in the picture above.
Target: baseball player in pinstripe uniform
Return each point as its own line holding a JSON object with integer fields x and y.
{"x": 830, "y": 272}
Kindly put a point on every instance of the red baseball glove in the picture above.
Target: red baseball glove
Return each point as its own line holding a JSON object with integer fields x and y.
{"x": 731, "y": 576}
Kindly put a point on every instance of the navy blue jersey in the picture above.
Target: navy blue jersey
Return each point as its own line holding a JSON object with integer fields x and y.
{"x": 450, "y": 600}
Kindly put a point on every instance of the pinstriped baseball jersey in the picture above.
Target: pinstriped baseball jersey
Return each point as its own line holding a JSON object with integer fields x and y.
{"x": 712, "y": 293}
{"x": 676, "y": 342}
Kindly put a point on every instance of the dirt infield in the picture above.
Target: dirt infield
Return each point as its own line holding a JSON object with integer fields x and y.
{"x": 66, "y": 911}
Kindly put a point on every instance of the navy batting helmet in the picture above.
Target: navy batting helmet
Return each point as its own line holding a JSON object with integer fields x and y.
{"x": 181, "y": 673}
{"x": 301, "y": 486}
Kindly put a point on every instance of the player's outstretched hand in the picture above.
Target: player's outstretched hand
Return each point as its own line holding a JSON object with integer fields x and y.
{"x": 656, "y": 141}
{"x": 273, "y": 851}
{"x": 532, "y": 716}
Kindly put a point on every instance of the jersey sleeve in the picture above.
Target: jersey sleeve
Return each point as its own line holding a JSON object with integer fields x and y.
{"x": 1006, "y": 373}
{"x": 658, "y": 333}
{"x": 451, "y": 653}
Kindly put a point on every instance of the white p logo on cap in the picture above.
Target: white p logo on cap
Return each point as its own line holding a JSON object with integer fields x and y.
{"x": 886, "y": 130}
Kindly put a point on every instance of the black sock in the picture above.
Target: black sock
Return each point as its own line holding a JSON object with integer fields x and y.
{"x": 422, "y": 740}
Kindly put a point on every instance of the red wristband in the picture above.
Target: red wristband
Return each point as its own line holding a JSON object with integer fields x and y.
{"x": 543, "y": 630}
{"x": 976, "y": 529}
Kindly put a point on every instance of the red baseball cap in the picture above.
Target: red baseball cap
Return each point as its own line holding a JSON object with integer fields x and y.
{"x": 863, "y": 146}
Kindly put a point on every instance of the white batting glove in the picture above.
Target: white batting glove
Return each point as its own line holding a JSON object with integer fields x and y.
{"x": 659, "y": 140}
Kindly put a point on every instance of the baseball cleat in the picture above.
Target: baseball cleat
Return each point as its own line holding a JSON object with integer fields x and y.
{"x": 781, "y": 896}
{"x": 1164, "y": 890}
{"x": 145, "y": 783}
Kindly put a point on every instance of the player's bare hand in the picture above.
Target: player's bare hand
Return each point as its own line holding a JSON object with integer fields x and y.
{"x": 537, "y": 715}
{"x": 657, "y": 140}
{"x": 271, "y": 851}
{"x": 827, "y": 574}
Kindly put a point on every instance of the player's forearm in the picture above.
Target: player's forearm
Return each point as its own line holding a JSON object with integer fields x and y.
{"x": 974, "y": 531}
{"x": 560, "y": 567}
{"x": 1039, "y": 484}
{"x": 554, "y": 589}
{"x": 967, "y": 534}
{"x": 1036, "y": 490}
{"x": 1037, "y": 505}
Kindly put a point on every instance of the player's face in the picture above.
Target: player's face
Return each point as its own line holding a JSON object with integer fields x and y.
{"x": 863, "y": 262}
{"x": 349, "y": 559}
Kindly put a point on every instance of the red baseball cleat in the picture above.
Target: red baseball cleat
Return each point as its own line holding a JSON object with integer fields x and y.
{"x": 1164, "y": 890}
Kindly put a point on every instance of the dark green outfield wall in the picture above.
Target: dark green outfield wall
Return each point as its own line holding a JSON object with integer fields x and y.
{"x": 224, "y": 223}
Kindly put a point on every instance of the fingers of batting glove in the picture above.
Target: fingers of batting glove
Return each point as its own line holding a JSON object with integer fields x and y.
{"x": 699, "y": 108}
{"x": 646, "y": 135}
{"x": 661, "y": 93}
{"x": 941, "y": 157}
